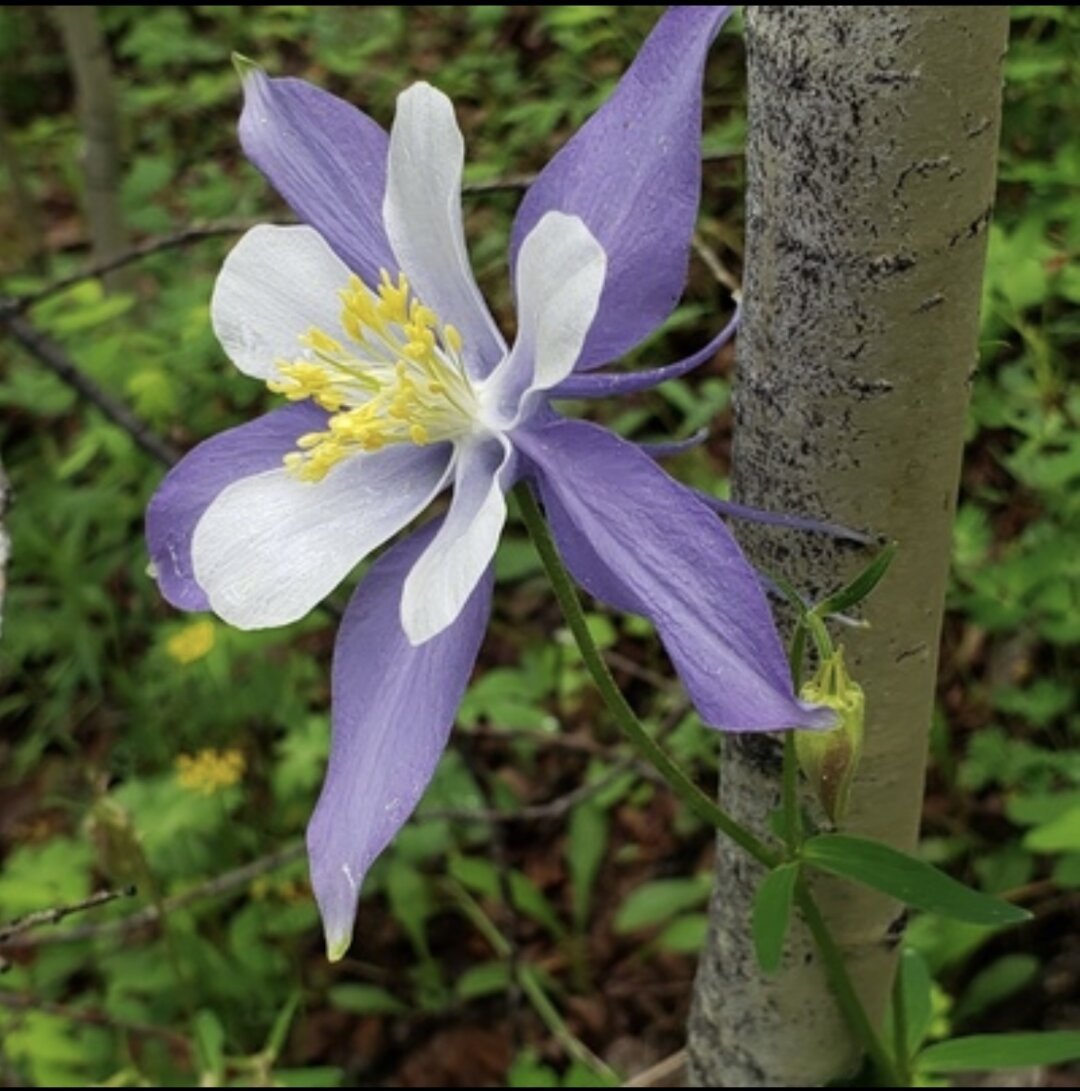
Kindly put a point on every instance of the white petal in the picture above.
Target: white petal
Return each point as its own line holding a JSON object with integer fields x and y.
{"x": 270, "y": 546}
{"x": 444, "y": 576}
{"x": 276, "y": 283}
{"x": 560, "y": 275}
{"x": 423, "y": 220}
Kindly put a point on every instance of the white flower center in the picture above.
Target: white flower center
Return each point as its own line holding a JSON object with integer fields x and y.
{"x": 399, "y": 379}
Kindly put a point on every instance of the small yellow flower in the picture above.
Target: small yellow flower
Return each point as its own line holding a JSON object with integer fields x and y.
{"x": 210, "y": 771}
{"x": 192, "y": 642}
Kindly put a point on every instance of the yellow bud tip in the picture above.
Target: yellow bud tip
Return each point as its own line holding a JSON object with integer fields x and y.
{"x": 336, "y": 947}
{"x": 245, "y": 67}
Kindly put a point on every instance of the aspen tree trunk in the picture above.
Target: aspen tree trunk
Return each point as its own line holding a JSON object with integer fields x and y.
{"x": 870, "y": 161}
{"x": 91, "y": 68}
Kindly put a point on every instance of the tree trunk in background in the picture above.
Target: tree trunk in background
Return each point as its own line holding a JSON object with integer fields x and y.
{"x": 88, "y": 55}
{"x": 870, "y": 160}
{"x": 5, "y": 548}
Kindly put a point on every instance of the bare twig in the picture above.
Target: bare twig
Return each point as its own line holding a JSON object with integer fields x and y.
{"x": 221, "y": 884}
{"x": 236, "y": 226}
{"x": 145, "y": 249}
{"x": 711, "y": 260}
{"x": 58, "y": 913}
{"x": 558, "y": 807}
{"x": 239, "y": 877}
{"x": 91, "y": 1017}
{"x": 52, "y": 355}
{"x": 666, "y": 1073}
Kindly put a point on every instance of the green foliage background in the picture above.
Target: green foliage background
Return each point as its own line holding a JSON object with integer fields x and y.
{"x": 609, "y": 885}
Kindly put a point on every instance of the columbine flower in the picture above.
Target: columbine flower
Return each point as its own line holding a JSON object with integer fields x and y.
{"x": 368, "y": 320}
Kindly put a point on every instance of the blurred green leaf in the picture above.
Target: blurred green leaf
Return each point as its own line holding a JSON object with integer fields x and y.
{"x": 994, "y": 1051}
{"x": 655, "y": 902}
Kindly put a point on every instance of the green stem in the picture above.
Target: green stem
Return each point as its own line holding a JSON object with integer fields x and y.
{"x": 692, "y": 795}
{"x": 530, "y": 984}
{"x": 900, "y": 1027}
{"x": 789, "y": 798}
{"x": 844, "y": 990}
{"x": 680, "y": 782}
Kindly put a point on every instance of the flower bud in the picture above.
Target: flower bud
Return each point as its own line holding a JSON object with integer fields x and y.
{"x": 830, "y": 758}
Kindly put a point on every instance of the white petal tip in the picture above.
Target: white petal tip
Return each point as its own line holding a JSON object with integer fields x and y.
{"x": 419, "y": 629}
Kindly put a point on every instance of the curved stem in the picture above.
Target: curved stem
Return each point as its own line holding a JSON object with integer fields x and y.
{"x": 650, "y": 749}
{"x": 844, "y": 990}
{"x": 690, "y": 793}
{"x": 789, "y": 798}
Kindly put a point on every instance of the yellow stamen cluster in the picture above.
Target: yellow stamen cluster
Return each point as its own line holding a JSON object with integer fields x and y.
{"x": 209, "y": 771}
{"x": 399, "y": 379}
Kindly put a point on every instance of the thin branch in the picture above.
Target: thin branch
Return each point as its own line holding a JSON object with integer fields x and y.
{"x": 52, "y": 355}
{"x": 711, "y": 259}
{"x": 57, "y": 913}
{"x": 670, "y": 1072}
{"x": 558, "y": 807}
{"x": 91, "y": 1017}
{"x": 221, "y": 884}
{"x": 290, "y": 853}
{"x": 236, "y": 226}
{"x": 147, "y": 248}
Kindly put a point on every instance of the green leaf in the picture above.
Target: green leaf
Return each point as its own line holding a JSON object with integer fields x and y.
{"x": 1062, "y": 834}
{"x": 411, "y": 902}
{"x": 275, "y": 1041}
{"x": 366, "y": 1000}
{"x": 528, "y": 1071}
{"x": 772, "y": 914}
{"x": 323, "y": 1076}
{"x": 483, "y": 980}
{"x": 529, "y": 899}
{"x": 659, "y": 901}
{"x": 990, "y": 1051}
{"x": 998, "y": 981}
{"x": 209, "y": 1045}
{"x": 586, "y": 846}
{"x": 912, "y": 881}
{"x": 917, "y": 992}
{"x": 685, "y": 935}
{"x": 860, "y": 587}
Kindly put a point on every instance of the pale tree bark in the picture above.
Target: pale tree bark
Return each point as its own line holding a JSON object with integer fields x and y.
{"x": 91, "y": 68}
{"x": 870, "y": 159}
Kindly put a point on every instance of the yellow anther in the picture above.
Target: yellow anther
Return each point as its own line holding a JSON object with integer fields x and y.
{"x": 321, "y": 342}
{"x": 398, "y": 379}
